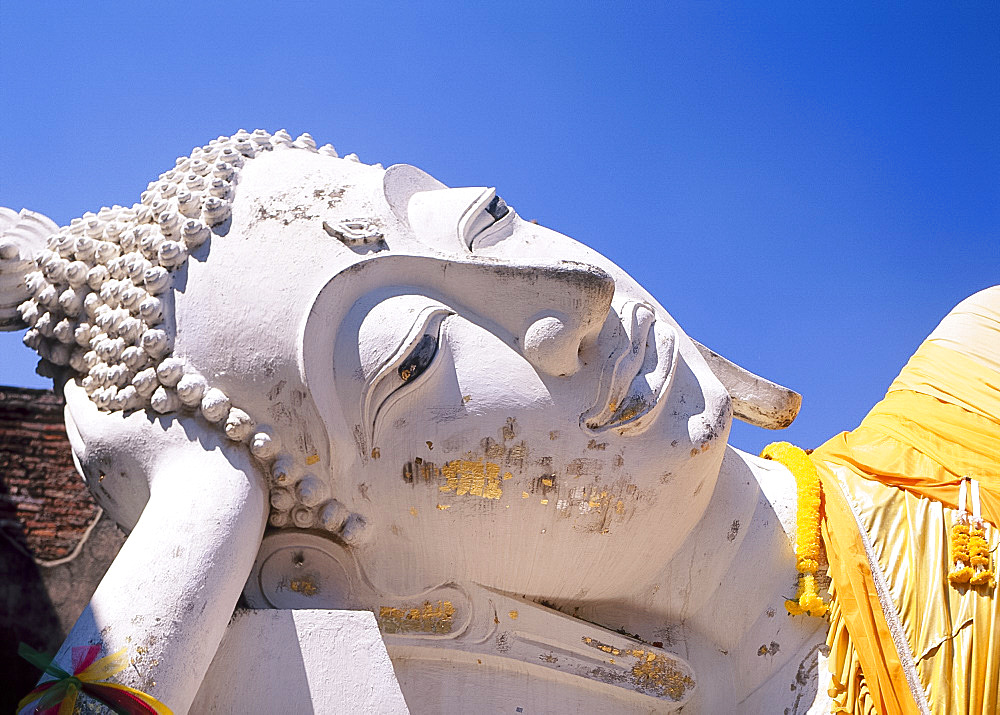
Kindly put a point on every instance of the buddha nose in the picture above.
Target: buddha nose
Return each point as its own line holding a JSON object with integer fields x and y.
{"x": 551, "y": 311}
{"x": 575, "y": 309}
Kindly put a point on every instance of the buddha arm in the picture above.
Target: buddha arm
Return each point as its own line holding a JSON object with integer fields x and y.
{"x": 169, "y": 594}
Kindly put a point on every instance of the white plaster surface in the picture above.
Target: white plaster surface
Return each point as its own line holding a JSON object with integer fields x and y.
{"x": 306, "y": 661}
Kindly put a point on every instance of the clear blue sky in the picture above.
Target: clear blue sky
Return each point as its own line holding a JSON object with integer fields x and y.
{"x": 806, "y": 188}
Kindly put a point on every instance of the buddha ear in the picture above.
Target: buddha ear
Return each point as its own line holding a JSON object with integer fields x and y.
{"x": 756, "y": 400}
{"x": 400, "y": 182}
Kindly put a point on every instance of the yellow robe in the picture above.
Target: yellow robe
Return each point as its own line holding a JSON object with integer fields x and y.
{"x": 902, "y": 639}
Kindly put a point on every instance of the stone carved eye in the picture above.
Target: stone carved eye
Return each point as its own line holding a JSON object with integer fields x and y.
{"x": 419, "y": 358}
{"x": 413, "y": 358}
{"x": 488, "y": 221}
{"x": 498, "y": 208}
{"x": 474, "y": 216}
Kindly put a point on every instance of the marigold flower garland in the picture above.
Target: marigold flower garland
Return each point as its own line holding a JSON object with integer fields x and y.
{"x": 970, "y": 548}
{"x": 807, "y": 535}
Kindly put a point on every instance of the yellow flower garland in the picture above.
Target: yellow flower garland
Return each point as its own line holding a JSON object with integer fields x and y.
{"x": 979, "y": 557}
{"x": 970, "y": 549}
{"x": 960, "y": 553}
{"x": 807, "y": 535}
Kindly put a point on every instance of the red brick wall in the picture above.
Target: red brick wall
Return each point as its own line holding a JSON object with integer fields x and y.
{"x": 44, "y": 504}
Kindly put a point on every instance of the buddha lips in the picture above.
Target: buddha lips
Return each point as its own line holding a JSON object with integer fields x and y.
{"x": 808, "y": 546}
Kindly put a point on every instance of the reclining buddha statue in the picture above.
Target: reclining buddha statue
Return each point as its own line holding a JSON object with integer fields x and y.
{"x": 299, "y": 381}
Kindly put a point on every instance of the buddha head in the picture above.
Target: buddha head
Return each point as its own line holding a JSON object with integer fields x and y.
{"x": 421, "y": 375}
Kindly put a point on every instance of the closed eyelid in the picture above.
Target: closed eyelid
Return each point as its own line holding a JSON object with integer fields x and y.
{"x": 503, "y": 217}
{"x": 425, "y": 318}
{"x": 410, "y": 360}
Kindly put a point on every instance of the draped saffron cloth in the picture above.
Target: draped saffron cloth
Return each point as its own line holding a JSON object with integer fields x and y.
{"x": 902, "y": 639}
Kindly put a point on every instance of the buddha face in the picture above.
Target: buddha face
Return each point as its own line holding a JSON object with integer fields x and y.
{"x": 453, "y": 391}
{"x": 514, "y": 408}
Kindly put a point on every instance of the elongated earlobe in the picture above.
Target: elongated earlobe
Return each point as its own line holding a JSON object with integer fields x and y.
{"x": 756, "y": 400}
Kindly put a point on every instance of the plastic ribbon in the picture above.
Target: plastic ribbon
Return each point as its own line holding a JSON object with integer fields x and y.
{"x": 58, "y": 697}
